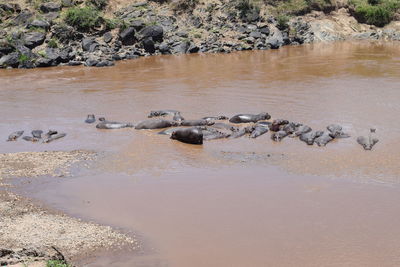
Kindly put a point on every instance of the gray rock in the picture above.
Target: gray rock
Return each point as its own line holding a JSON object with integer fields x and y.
{"x": 156, "y": 32}
{"x": 275, "y": 42}
{"x": 23, "y": 17}
{"x": 164, "y": 48}
{"x": 193, "y": 48}
{"x": 50, "y": 7}
{"x": 44, "y": 62}
{"x": 255, "y": 34}
{"x": 92, "y": 61}
{"x": 105, "y": 63}
{"x": 107, "y": 37}
{"x": 67, "y": 3}
{"x": 138, "y": 24}
{"x": 182, "y": 34}
{"x": 148, "y": 45}
{"x": 10, "y": 60}
{"x": 42, "y": 24}
{"x": 180, "y": 48}
{"x": 33, "y": 39}
{"x": 127, "y": 36}
{"x": 264, "y": 30}
{"x": 89, "y": 44}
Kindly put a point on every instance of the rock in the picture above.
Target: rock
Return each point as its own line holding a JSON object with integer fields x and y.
{"x": 180, "y": 48}
{"x": 264, "y": 30}
{"x": 156, "y": 32}
{"x": 105, "y": 63}
{"x": 148, "y": 45}
{"x": 10, "y": 60}
{"x": 24, "y": 51}
{"x": 164, "y": 48}
{"x": 107, "y": 37}
{"x": 251, "y": 16}
{"x": 10, "y": 7}
{"x": 182, "y": 34}
{"x": 193, "y": 48}
{"x": 23, "y": 17}
{"x": 43, "y": 62}
{"x": 92, "y": 61}
{"x": 42, "y": 24}
{"x": 65, "y": 33}
{"x": 51, "y": 16}
{"x": 255, "y": 34}
{"x": 50, "y": 7}
{"x": 67, "y": 3}
{"x": 33, "y": 39}
{"x": 5, "y": 47}
{"x": 89, "y": 44}
{"x": 127, "y": 36}
{"x": 138, "y": 24}
{"x": 75, "y": 63}
{"x": 275, "y": 42}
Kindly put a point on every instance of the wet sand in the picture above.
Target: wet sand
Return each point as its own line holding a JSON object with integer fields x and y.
{"x": 229, "y": 202}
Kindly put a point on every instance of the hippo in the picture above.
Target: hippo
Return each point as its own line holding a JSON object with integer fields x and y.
{"x": 30, "y": 139}
{"x": 169, "y": 131}
{"x": 211, "y": 134}
{"x": 225, "y": 126}
{"x": 164, "y": 112}
{"x": 368, "y": 142}
{"x": 50, "y": 133}
{"x": 336, "y": 131}
{"x": 309, "y": 137}
{"x": 277, "y": 125}
{"x": 15, "y": 135}
{"x": 90, "y": 118}
{"x": 302, "y": 130}
{"x": 279, "y": 135}
{"x": 216, "y": 118}
{"x": 246, "y": 118}
{"x": 290, "y": 128}
{"x": 113, "y": 125}
{"x": 242, "y": 131}
{"x": 197, "y": 123}
{"x": 54, "y": 137}
{"x": 258, "y": 130}
{"x": 37, "y": 134}
{"x": 155, "y": 124}
{"x": 188, "y": 135}
{"x": 178, "y": 117}
{"x": 324, "y": 139}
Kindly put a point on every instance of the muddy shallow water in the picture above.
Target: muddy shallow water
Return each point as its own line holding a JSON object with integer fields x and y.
{"x": 229, "y": 202}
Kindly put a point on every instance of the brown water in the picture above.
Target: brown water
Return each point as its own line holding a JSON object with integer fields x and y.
{"x": 229, "y": 202}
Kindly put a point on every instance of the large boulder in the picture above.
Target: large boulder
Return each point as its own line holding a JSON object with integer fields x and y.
{"x": 33, "y": 39}
{"x": 10, "y": 60}
{"x": 89, "y": 44}
{"x": 148, "y": 45}
{"x": 42, "y": 24}
{"x": 50, "y": 7}
{"x": 156, "y": 32}
{"x": 127, "y": 36}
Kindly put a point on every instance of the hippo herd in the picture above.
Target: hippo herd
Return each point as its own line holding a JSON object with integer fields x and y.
{"x": 36, "y": 136}
{"x": 209, "y": 128}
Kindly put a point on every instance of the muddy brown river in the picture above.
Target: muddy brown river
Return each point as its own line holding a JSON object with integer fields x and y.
{"x": 242, "y": 202}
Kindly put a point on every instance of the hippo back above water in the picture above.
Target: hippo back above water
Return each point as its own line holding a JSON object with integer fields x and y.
{"x": 155, "y": 124}
{"x": 246, "y": 118}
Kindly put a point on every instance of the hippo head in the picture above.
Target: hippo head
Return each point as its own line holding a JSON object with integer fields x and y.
{"x": 102, "y": 119}
{"x": 210, "y": 122}
{"x": 264, "y": 116}
{"x": 175, "y": 123}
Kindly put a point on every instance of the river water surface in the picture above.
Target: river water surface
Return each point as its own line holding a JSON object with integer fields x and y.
{"x": 229, "y": 202}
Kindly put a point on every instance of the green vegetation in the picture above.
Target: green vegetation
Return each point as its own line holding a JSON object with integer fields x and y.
{"x": 247, "y": 6}
{"x": 283, "y": 21}
{"x": 23, "y": 58}
{"x": 301, "y": 7}
{"x": 53, "y": 43}
{"x": 84, "y": 18}
{"x": 57, "y": 263}
{"x": 375, "y": 12}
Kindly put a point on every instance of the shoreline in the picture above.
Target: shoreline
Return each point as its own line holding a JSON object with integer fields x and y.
{"x": 33, "y": 233}
{"x": 150, "y": 28}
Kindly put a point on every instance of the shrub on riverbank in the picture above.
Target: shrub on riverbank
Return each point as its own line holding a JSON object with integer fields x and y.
{"x": 83, "y": 18}
{"x": 375, "y": 12}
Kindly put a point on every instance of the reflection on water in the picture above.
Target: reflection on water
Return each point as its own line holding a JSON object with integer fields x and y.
{"x": 178, "y": 195}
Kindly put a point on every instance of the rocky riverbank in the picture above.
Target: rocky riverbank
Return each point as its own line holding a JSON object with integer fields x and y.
{"x": 99, "y": 32}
